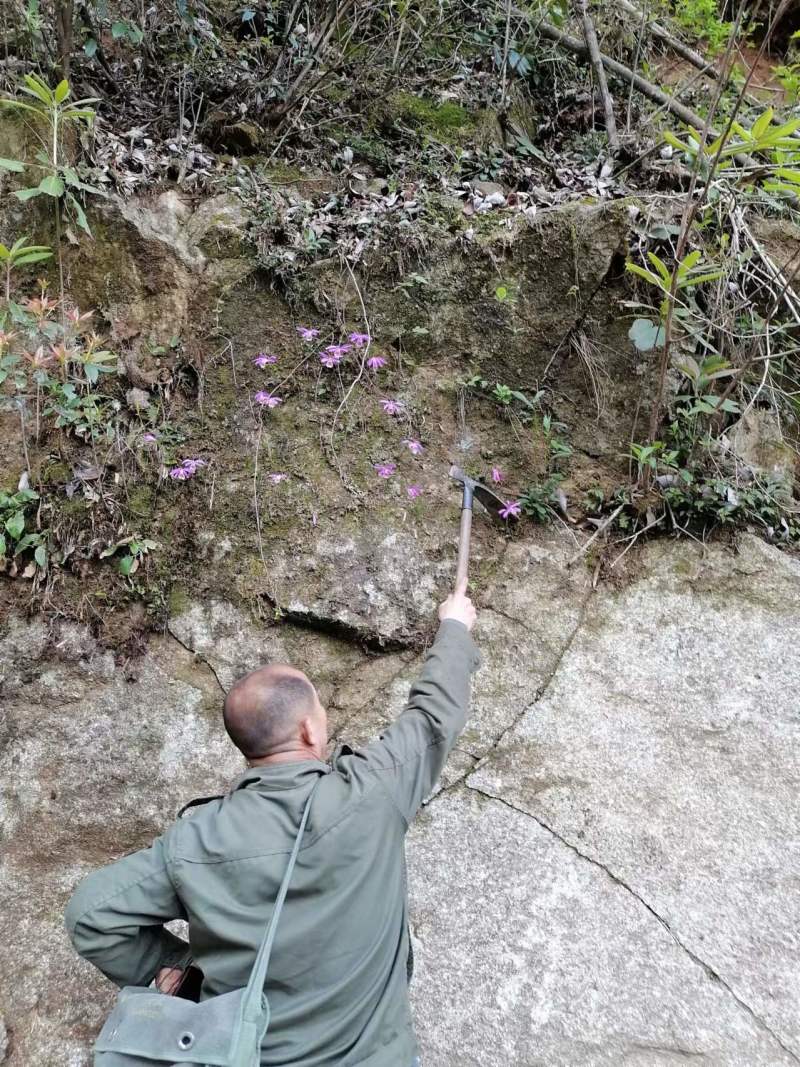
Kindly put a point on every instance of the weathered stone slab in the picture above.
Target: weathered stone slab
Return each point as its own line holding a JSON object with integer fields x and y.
{"x": 527, "y": 954}
{"x": 667, "y": 748}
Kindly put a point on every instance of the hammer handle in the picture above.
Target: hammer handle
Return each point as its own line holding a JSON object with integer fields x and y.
{"x": 463, "y": 545}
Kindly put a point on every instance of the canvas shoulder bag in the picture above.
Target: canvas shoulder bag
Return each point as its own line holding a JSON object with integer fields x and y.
{"x": 147, "y": 1028}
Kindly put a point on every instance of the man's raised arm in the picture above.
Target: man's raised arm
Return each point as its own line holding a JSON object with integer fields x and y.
{"x": 410, "y": 754}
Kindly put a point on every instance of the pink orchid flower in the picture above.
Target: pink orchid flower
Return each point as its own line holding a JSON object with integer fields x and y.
{"x": 267, "y": 400}
{"x": 391, "y": 407}
{"x": 376, "y": 362}
{"x": 413, "y": 446}
{"x": 511, "y": 509}
{"x": 497, "y": 475}
{"x": 413, "y": 491}
{"x": 262, "y": 360}
{"x": 359, "y": 339}
{"x": 307, "y": 333}
{"x": 385, "y": 470}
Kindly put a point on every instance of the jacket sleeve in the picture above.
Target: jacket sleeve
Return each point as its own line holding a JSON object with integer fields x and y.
{"x": 410, "y": 754}
{"x": 116, "y": 918}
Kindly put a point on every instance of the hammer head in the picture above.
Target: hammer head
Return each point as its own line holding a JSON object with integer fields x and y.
{"x": 491, "y": 501}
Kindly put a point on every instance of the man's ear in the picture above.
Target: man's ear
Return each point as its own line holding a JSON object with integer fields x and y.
{"x": 308, "y": 732}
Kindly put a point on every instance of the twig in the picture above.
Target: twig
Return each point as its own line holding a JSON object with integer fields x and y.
{"x": 683, "y": 50}
{"x": 639, "y": 42}
{"x": 255, "y": 495}
{"x": 595, "y": 535}
{"x": 590, "y": 36}
{"x": 646, "y": 88}
{"x": 635, "y": 537}
{"x": 360, "y": 374}
{"x": 506, "y": 45}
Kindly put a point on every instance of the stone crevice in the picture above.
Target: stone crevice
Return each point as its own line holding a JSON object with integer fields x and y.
{"x": 200, "y": 659}
{"x": 710, "y": 972}
{"x": 540, "y": 692}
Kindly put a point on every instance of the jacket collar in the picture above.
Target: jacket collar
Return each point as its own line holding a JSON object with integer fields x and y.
{"x": 273, "y": 776}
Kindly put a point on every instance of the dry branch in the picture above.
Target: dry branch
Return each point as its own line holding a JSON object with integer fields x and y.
{"x": 655, "y": 29}
{"x": 646, "y": 88}
{"x": 590, "y": 36}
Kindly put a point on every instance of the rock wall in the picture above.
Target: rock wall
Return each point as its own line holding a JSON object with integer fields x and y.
{"x": 608, "y": 874}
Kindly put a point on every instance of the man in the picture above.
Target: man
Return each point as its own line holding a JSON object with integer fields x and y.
{"x": 337, "y": 982}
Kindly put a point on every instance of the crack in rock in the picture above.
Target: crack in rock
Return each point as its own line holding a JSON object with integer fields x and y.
{"x": 540, "y": 692}
{"x": 709, "y": 971}
{"x": 200, "y": 658}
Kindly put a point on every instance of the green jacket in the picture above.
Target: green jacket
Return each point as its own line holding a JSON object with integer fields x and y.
{"x": 337, "y": 983}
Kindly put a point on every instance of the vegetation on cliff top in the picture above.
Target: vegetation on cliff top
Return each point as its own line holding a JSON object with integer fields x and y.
{"x": 351, "y": 133}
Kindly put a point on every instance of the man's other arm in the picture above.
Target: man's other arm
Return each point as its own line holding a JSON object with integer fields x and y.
{"x": 410, "y": 754}
{"x": 116, "y": 918}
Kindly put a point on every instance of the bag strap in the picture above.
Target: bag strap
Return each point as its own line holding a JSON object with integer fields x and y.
{"x": 254, "y": 990}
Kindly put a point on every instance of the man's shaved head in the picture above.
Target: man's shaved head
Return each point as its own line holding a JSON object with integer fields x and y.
{"x": 263, "y": 711}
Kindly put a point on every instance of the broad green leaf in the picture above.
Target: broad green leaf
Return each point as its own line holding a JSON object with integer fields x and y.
{"x": 61, "y": 91}
{"x": 36, "y": 87}
{"x": 80, "y": 214}
{"x": 786, "y": 128}
{"x": 698, "y": 279}
{"x": 646, "y": 335}
{"x": 676, "y": 142}
{"x": 40, "y": 555}
{"x": 32, "y": 257}
{"x": 789, "y": 174}
{"x": 4, "y": 253}
{"x": 79, "y": 113}
{"x": 12, "y": 164}
{"x": 761, "y": 125}
{"x": 25, "y": 542}
{"x": 661, "y": 267}
{"x": 126, "y": 566}
{"x": 52, "y": 185}
{"x": 27, "y": 194}
{"x": 15, "y": 524}
{"x": 119, "y": 29}
{"x": 90, "y": 47}
{"x": 688, "y": 262}
{"x": 640, "y": 272}
{"x": 6, "y": 102}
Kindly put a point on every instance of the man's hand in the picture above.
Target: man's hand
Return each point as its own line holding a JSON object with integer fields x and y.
{"x": 458, "y": 606}
{"x": 168, "y": 979}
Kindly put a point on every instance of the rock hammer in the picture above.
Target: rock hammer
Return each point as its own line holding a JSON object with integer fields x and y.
{"x": 473, "y": 490}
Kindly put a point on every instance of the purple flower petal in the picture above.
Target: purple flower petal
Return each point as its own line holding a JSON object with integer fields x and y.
{"x": 359, "y": 339}
{"x": 307, "y": 333}
{"x": 413, "y": 446}
{"x": 413, "y": 491}
{"x": 267, "y": 400}
{"x": 391, "y": 407}
{"x": 376, "y": 362}
{"x": 262, "y": 360}
{"x": 497, "y": 475}
{"x": 385, "y": 470}
{"x": 511, "y": 509}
